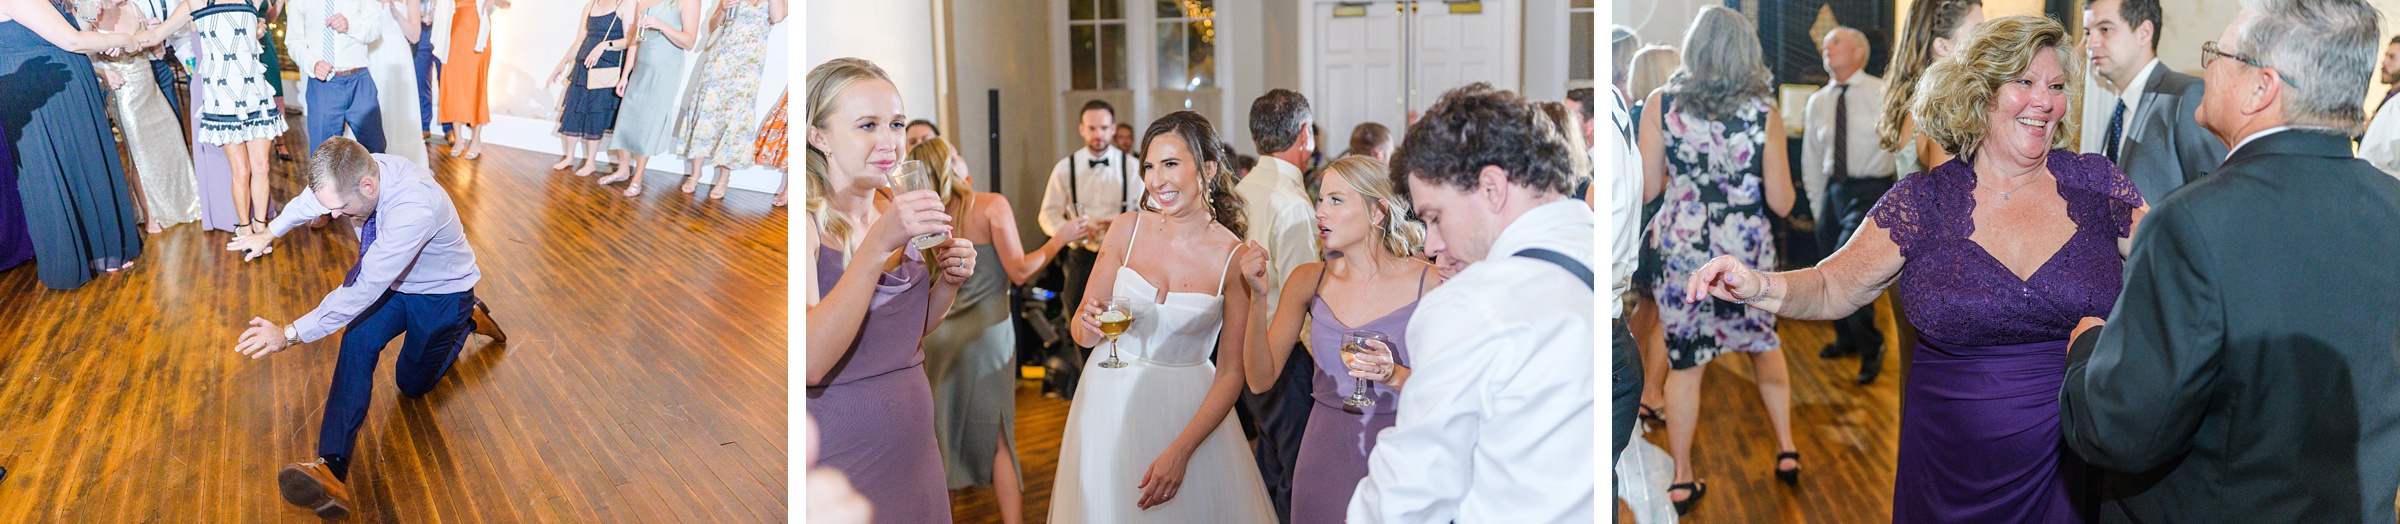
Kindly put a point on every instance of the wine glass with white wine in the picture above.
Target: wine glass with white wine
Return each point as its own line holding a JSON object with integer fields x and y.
{"x": 1113, "y": 323}
{"x": 1353, "y": 343}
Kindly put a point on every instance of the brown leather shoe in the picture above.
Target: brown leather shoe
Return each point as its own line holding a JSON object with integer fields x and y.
{"x": 484, "y": 323}
{"x": 309, "y": 485}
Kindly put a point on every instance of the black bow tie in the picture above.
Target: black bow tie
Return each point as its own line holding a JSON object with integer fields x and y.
{"x": 1096, "y": 162}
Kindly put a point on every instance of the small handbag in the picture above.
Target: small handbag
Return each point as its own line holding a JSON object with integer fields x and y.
{"x": 604, "y": 77}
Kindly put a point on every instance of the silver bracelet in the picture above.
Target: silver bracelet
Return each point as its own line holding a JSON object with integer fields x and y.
{"x": 1762, "y": 277}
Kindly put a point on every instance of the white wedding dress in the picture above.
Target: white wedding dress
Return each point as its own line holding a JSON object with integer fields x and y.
{"x": 1123, "y": 418}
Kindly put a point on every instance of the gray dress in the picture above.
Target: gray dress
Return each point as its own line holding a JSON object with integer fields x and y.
{"x": 971, "y": 361}
{"x": 646, "y": 121}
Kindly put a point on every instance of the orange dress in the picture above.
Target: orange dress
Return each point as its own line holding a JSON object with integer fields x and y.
{"x": 465, "y": 72}
{"x": 771, "y": 143}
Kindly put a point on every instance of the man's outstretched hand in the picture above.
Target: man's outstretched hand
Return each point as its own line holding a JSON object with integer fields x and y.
{"x": 262, "y": 339}
{"x": 253, "y": 246}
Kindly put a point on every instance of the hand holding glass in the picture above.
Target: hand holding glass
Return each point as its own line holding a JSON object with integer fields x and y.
{"x": 1113, "y": 322}
{"x": 1353, "y": 343}
{"x": 912, "y": 176}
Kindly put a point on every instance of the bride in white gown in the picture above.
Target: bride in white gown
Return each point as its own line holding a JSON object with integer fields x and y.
{"x": 1151, "y": 441}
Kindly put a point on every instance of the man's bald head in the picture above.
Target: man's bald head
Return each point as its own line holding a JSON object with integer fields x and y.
{"x": 1844, "y": 51}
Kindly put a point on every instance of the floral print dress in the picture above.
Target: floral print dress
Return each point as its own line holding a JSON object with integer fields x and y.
{"x": 1713, "y": 205}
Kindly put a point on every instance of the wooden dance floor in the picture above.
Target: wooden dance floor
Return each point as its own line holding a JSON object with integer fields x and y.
{"x": 643, "y": 380}
{"x": 1848, "y": 436}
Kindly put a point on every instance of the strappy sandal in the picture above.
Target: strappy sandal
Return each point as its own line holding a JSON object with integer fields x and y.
{"x": 1650, "y": 415}
{"x": 1697, "y": 488}
{"x": 1788, "y": 476}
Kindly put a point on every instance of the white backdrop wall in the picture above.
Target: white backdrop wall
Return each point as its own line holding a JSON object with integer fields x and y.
{"x": 895, "y": 34}
{"x": 528, "y": 39}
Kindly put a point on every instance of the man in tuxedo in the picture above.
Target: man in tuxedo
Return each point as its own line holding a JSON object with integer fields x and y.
{"x": 1282, "y": 217}
{"x": 1495, "y": 424}
{"x": 1847, "y": 171}
{"x": 1091, "y": 186}
{"x": 2150, "y": 133}
{"x": 415, "y": 275}
{"x": 2249, "y": 368}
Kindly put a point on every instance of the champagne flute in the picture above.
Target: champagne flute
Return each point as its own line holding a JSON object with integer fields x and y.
{"x": 1353, "y": 343}
{"x": 911, "y": 176}
{"x": 1112, "y": 324}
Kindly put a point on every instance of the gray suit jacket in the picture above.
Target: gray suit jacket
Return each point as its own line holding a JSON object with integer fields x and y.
{"x": 2164, "y": 149}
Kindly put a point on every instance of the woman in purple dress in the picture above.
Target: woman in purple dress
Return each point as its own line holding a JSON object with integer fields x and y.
{"x": 871, "y": 297}
{"x": 1993, "y": 282}
{"x": 1372, "y": 272}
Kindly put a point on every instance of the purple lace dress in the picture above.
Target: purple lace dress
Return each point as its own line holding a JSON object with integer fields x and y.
{"x": 875, "y": 409}
{"x": 1979, "y": 434}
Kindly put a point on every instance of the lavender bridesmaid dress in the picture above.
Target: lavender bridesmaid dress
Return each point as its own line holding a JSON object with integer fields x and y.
{"x": 875, "y": 409}
{"x": 1333, "y": 450}
{"x": 1979, "y": 430}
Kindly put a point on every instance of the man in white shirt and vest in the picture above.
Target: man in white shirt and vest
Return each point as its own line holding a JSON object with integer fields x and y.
{"x": 328, "y": 39}
{"x": 1846, "y": 171}
{"x": 415, "y": 275}
{"x": 1282, "y": 218}
{"x": 1496, "y": 423}
{"x": 1093, "y": 185}
{"x": 2150, "y": 133}
{"x": 2381, "y": 143}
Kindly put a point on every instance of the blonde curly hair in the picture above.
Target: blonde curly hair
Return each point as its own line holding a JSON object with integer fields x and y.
{"x": 1957, "y": 93}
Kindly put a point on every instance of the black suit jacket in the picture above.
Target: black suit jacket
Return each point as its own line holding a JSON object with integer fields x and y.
{"x": 2164, "y": 148}
{"x": 2250, "y": 371}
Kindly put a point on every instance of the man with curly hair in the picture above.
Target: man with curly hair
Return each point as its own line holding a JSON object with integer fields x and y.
{"x": 1496, "y": 424}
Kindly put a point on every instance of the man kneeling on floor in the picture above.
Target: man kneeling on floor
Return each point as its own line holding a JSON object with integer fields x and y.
{"x": 415, "y": 274}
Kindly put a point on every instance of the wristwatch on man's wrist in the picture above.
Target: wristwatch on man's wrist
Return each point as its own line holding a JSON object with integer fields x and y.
{"x": 291, "y": 335}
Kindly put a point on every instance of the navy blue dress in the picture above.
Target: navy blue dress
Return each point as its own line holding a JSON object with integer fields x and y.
{"x": 589, "y": 113}
{"x": 69, "y": 179}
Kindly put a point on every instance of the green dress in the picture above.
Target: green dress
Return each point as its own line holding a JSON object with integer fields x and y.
{"x": 268, "y": 53}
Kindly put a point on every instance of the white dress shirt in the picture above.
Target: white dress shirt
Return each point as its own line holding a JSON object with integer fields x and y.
{"x": 304, "y": 33}
{"x": 1626, "y": 204}
{"x": 1282, "y": 218}
{"x": 2381, "y": 144}
{"x": 1101, "y": 191}
{"x": 1867, "y": 158}
{"x": 1497, "y": 423}
{"x": 445, "y": 13}
{"x": 420, "y": 246}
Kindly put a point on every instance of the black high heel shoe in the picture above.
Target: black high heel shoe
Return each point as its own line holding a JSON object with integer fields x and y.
{"x": 1698, "y": 488}
{"x": 1788, "y": 476}
{"x": 1650, "y": 415}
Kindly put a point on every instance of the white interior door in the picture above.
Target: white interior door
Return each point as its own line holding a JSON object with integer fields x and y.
{"x": 1450, "y": 50}
{"x": 1359, "y": 69}
{"x": 1400, "y": 57}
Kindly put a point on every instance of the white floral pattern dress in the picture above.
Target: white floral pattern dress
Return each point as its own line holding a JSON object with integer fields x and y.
{"x": 1713, "y": 205}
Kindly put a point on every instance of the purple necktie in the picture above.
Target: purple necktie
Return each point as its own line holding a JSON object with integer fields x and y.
{"x": 366, "y": 237}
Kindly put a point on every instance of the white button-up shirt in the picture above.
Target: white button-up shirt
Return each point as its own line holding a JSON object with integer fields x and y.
{"x": 2381, "y": 144}
{"x": 1625, "y": 204}
{"x": 1497, "y": 423}
{"x": 304, "y": 33}
{"x": 1101, "y": 191}
{"x": 1281, "y": 217}
{"x": 1867, "y": 157}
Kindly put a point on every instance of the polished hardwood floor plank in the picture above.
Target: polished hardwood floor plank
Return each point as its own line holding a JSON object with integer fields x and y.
{"x": 1848, "y": 437}
{"x": 643, "y": 381}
